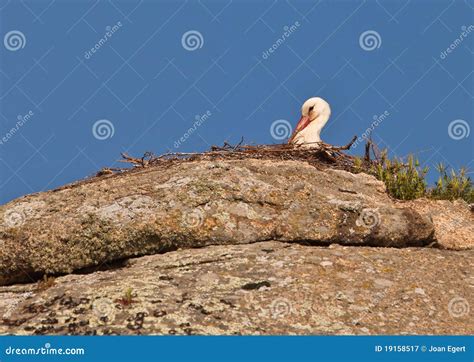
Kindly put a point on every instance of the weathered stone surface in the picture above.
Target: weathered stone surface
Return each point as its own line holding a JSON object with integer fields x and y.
{"x": 194, "y": 204}
{"x": 260, "y": 288}
{"x": 453, "y": 221}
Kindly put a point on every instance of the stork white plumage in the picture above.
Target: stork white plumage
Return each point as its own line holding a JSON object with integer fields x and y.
{"x": 315, "y": 113}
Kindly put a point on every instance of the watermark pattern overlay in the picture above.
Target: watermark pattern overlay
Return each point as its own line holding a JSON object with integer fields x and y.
{"x": 264, "y": 64}
{"x": 21, "y": 121}
{"x": 193, "y": 218}
{"x": 368, "y": 218}
{"x": 103, "y": 129}
{"x": 199, "y": 120}
{"x": 465, "y": 31}
{"x": 14, "y": 218}
{"x": 109, "y": 32}
{"x": 192, "y": 40}
{"x": 459, "y": 129}
{"x": 104, "y": 309}
{"x": 370, "y": 40}
{"x": 280, "y": 129}
{"x": 280, "y": 308}
{"x": 12, "y": 306}
{"x": 377, "y": 120}
{"x": 287, "y": 32}
{"x": 458, "y": 307}
{"x": 14, "y": 40}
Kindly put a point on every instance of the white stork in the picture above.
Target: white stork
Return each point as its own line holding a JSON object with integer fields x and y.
{"x": 315, "y": 113}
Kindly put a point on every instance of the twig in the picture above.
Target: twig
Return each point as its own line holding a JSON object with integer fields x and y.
{"x": 348, "y": 146}
{"x": 130, "y": 159}
{"x": 367, "y": 151}
{"x": 239, "y": 144}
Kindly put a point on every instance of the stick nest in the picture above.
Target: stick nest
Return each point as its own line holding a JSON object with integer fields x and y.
{"x": 324, "y": 155}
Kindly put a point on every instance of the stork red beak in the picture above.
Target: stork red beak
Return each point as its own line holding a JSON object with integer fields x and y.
{"x": 302, "y": 124}
{"x": 304, "y": 121}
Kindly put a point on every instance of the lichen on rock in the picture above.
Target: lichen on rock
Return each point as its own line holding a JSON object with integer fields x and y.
{"x": 194, "y": 204}
{"x": 248, "y": 246}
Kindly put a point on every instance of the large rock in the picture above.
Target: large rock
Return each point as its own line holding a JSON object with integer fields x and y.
{"x": 194, "y": 204}
{"x": 453, "y": 221}
{"x": 260, "y": 288}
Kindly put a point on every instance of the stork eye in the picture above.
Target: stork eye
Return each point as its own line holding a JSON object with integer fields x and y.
{"x": 311, "y": 108}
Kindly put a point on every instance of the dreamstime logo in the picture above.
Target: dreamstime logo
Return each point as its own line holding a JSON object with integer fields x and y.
{"x": 458, "y": 307}
{"x": 287, "y": 32}
{"x": 280, "y": 308}
{"x": 12, "y": 306}
{"x": 459, "y": 129}
{"x": 370, "y": 40}
{"x": 47, "y": 350}
{"x": 193, "y": 219}
{"x": 369, "y": 218}
{"x": 14, "y": 40}
{"x": 14, "y": 218}
{"x": 309, "y": 302}
{"x": 192, "y": 40}
{"x": 466, "y": 30}
{"x": 103, "y": 129}
{"x": 22, "y": 119}
{"x": 377, "y": 121}
{"x": 280, "y": 129}
{"x": 103, "y": 307}
{"x": 199, "y": 120}
{"x": 109, "y": 31}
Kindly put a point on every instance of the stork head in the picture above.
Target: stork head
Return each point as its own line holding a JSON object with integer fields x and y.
{"x": 315, "y": 108}
{"x": 315, "y": 111}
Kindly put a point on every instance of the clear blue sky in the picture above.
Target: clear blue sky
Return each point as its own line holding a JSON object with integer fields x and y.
{"x": 164, "y": 63}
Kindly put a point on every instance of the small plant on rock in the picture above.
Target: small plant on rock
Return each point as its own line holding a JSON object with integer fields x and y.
{"x": 453, "y": 185}
{"x": 127, "y": 298}
{"x": 404, "y": 180}
{"x": 407, "y": 180}
{"x": 46, "y": 283}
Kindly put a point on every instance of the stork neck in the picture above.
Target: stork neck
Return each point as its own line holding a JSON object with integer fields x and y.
{"x": 319, "y": 123}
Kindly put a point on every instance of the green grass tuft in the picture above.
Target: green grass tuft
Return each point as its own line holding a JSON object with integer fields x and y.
{"x": 407, "y": 180}
{"x": 404, "y": 181}
{"x": 453, "y": 185}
